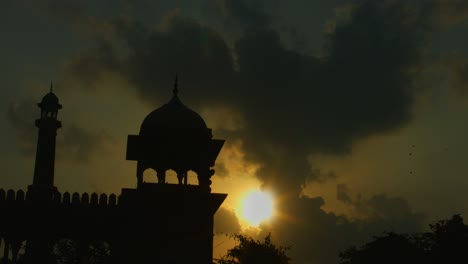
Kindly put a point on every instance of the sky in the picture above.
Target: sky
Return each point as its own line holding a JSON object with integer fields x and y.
{"x": 351, "y": 113}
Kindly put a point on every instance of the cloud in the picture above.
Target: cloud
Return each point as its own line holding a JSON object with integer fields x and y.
{"x": 78, "y": 144}
{"x": 291, "y": 104}
{"x": 317, "y": 236}
{"x": 197, "y": 53}
{"x": 309, "y": 105}
{"x": 455, "y": 69}
{"x": 342, "y": 193}
{"x": 21, "y": 116}
{"x": 395, "y": 212}
{"x": 247, "y": 14}
{"x": 89, "y": 68}
{"x": 446, "y": 13}
{"x": 382, "y": 211}
{"x": 74, "y": 142}
{"x": 226, "y": 222}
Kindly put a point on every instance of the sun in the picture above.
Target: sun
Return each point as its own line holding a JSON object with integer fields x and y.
{"x": 257, "y": 206}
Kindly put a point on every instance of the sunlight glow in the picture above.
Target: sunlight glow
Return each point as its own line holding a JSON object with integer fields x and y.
{"x": 257, "y": 206}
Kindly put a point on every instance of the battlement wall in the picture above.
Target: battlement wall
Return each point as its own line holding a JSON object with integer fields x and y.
{"x": 11, "y": 197}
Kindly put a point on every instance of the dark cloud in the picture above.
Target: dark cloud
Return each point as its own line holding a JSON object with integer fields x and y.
{"x": 293, "y": 104}
{"x": 74, "y": 142}
{"x": 342, "y": 193}
{"x": 197, "y": 53}
{"x": 314, "y": 235}
{"x": 310, "y": 105}
{"x": 221, "y": 169}
{"x": 21, "y": 117}
{"x": 226, "y": 222}
{"x": 247, "y": 13}
{"x": 317, "y": 236}
{"x": 74, "y": 13}
{"x": 393, "y": 213}
{"x": 318, "y": 175}
{"x": 79, "y": 144}
{"x": 454, "y": 67}
{"x": 86, "y": 70}
{"x": 446, "y": 13}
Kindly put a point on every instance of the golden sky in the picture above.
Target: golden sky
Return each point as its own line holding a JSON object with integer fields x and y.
{"x": 352, "y": 113}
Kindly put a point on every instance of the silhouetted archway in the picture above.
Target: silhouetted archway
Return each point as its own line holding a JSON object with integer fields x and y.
{"x": 171, "y": 177}
{"x": 192, "y": 178}
{"x": 149, "y": 175}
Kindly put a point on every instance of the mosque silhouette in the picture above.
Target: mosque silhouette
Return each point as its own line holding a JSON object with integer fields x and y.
{"x": 156, "y": 222}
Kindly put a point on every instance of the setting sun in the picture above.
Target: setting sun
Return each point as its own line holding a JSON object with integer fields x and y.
{"x": 257, "y": 206}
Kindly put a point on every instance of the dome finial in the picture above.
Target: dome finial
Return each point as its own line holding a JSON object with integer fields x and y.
{"x": 51, "y": 87}
{"x": 176, "y": 84}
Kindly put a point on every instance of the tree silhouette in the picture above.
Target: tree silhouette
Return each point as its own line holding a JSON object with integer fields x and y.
{"x": 68, "y": 251}
{"x": 446, "y": 242}
{"x": 250, "y": 251}
{"x": 388, "y": 248}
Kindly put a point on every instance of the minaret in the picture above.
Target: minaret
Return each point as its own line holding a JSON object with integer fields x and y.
{"x": 48, "y": 124}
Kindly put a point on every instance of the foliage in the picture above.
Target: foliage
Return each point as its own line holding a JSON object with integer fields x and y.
{"x": 446, "y": 242}
{"x": 66, "y": 252}
{"x": 388, "y": 248}
{"x": 250, "y": 251}
{"x": 71, "y": 252}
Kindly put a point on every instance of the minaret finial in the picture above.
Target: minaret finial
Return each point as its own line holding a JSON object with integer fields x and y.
{"x": 176, "y": 84}
{"x": 51, "y": 86}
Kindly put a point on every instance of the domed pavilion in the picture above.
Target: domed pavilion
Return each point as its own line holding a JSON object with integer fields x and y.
{"x": 177, "y": 218}
{"x": 174, "y": 137}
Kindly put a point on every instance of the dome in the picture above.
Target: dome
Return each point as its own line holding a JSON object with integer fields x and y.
{"x": 172, "y": 117}
{"x": 174, "y": 137}
{"x": 50, "y": 102}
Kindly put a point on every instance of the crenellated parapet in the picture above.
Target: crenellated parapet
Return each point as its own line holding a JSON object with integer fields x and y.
{"x": 75, "y": 216}
{"x": 86, "y": 200}
{"x": 11, "y": 197}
